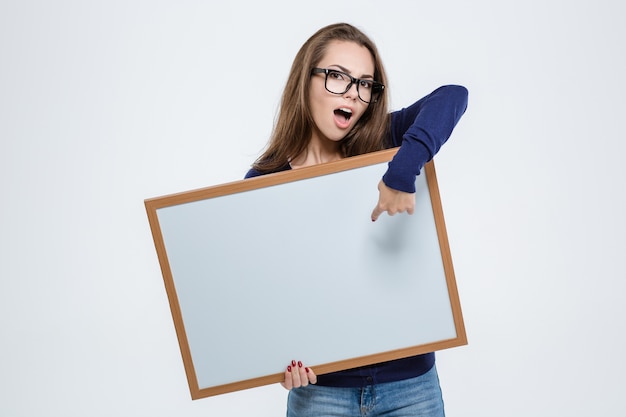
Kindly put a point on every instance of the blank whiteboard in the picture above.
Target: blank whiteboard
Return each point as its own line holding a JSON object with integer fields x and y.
{"x": 249, "y": 264}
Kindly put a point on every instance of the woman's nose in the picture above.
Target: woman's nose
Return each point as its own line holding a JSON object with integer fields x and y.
{"x": 352, "y": 92}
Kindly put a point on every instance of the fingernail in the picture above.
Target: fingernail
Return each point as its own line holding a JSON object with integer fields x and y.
{"x": 289, "y": 369}
{"x": 299, "y": 364}
{"x": 307, "y": 370}
{"x": 293, "y": 363}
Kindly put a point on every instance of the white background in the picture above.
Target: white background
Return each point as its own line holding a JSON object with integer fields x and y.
{"x": 104, "y": 104}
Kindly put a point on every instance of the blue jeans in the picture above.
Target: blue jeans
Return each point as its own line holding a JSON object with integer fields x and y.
{"x": 415, "y": 397}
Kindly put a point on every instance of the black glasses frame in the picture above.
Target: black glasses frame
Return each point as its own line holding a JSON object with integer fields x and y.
{"x": 377, "y": 88}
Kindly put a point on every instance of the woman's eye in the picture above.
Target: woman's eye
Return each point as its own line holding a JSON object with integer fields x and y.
{"x": 336, "y": 75}
{"x": 366, "y": 84}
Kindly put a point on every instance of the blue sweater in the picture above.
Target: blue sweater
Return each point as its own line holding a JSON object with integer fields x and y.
{"x": 419, "y": 130}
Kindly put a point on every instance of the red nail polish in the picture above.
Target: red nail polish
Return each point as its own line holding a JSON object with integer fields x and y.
{"x": 307, "y": 370}
{"x": 293, "y": 363}
{"x": 299, "y": 364}
{"x": 289, "y": 369}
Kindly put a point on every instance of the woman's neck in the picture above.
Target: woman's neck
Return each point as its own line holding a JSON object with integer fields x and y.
{"x": 318, "y": 152}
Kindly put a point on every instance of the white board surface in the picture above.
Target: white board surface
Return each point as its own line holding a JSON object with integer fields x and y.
{"x": 298, "y": 270}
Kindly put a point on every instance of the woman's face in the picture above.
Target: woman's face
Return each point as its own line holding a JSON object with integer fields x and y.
{"x": 336, "y": 114}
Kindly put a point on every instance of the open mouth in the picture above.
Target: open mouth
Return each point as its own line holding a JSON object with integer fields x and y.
{"x": 343, "y": 112}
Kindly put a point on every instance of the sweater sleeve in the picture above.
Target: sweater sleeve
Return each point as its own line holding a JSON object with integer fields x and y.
{"x": 420, "y": 130}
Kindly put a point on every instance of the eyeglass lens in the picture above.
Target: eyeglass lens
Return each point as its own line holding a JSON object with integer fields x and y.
{"x": 338, "y": 83}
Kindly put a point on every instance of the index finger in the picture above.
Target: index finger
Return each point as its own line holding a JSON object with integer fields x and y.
{"x": 376, "y": 212}
{"x": 311, "y": 375}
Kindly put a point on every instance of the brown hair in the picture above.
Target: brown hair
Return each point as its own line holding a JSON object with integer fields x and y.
{"x": 294, "y": 124}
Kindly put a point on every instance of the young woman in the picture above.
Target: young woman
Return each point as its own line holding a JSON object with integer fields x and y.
{"x": 335, "y": 106}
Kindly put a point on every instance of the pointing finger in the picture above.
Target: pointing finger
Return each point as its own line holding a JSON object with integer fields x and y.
{"x": 376, "y": 212}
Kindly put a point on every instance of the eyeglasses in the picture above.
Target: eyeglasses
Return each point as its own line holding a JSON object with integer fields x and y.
{"x": 338, "y": 82}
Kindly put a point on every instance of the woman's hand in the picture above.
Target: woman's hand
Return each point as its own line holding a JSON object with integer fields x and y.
{"x": 297, "y": 376}
{"x": 392, "y": 201}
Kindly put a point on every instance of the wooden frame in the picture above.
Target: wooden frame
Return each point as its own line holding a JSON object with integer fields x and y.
{"x": 243, "y": 304}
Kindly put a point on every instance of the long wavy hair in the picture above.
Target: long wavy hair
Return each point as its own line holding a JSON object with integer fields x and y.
{"x": 294, "y": 125}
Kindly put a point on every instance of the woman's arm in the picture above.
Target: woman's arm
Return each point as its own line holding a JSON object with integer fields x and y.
{"x": 420, "y": 130}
